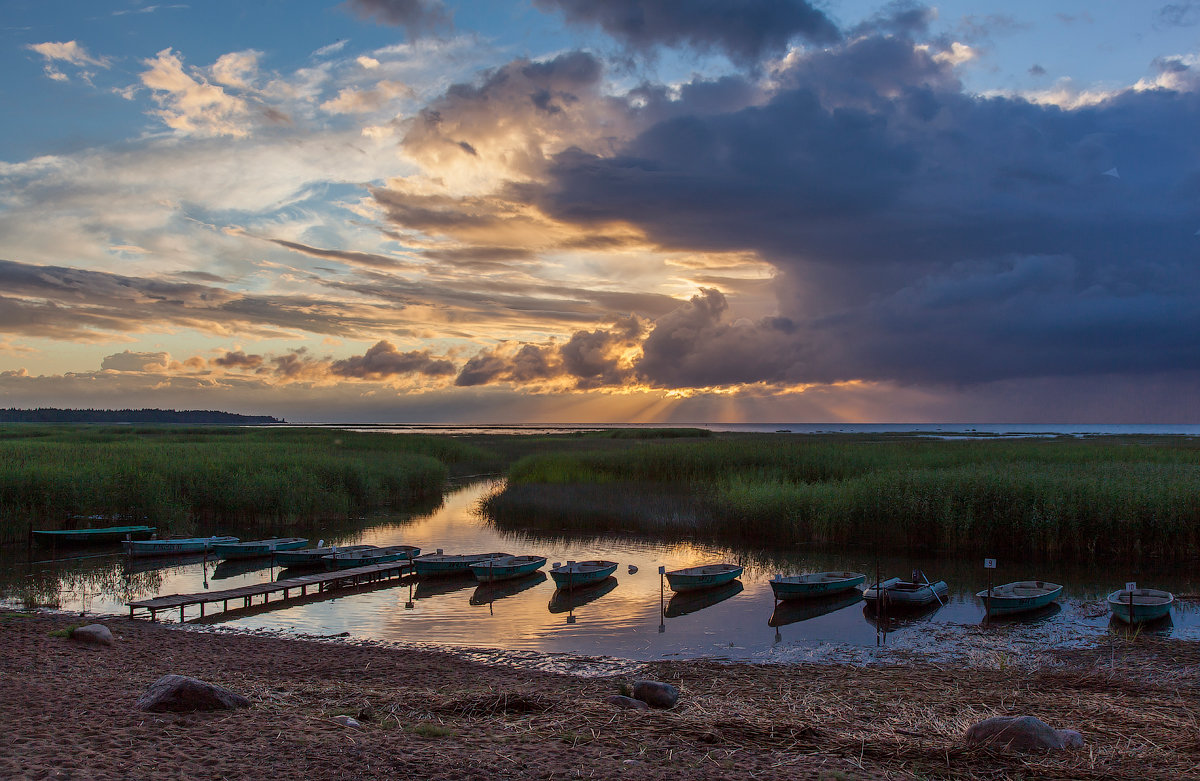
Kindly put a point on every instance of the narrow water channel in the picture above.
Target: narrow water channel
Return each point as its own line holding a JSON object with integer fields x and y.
{"x": 629, "y": 616}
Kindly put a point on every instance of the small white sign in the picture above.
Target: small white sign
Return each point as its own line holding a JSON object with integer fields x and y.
{"x": 989, "y": 563}
{"x": 1131, "y": 586}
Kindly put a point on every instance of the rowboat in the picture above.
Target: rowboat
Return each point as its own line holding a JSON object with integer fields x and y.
{"x": 92, "y": 536}
{"x": 564, "y": 599}
{"x": 440, "y": 564}
{"x": 574, "y": 574}
{"x": 486, "y": 593}
{"x": 683, "y": 602}
{"x": 243, "y": 550}
{"x": 507, "y": 568}
{"x": 816, "y": 584}
{"x": 902, "y": 594}
{"x": 795, "y": 610}
{"x": 1019, "y": 597}
{"x": 314, "y": 557}
{"x": 174, "y": 546}
{"x": 363, "y": 558}
{"x": 1141, "y": 605}
{"x": 706, "y": 576}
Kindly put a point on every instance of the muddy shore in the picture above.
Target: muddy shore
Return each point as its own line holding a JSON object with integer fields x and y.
{"x": 68, "y": 712}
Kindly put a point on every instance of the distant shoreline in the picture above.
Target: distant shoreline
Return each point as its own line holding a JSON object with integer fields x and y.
{"x": 187, "y": 417}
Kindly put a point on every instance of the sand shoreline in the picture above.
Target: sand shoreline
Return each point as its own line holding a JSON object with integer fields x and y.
{"x": 68, "y": 711}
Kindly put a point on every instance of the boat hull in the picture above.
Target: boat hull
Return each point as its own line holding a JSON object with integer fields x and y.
{"x": 367, "y": 558}
{"x": 254, "y": 548}
{"x": 502, "y": 569}
{"x": 1148, "y": 605}
{"x": 174, "y": 547}
{"x": 438, "y": 565}
{"x": 1012, "y": 598}
{"x": 577, "y": 575}
{"x": 314, "y": 557}
{"x": 700, "y": 578}
{"x": 816, "y": 586}
{"x": 93, "y": 536}
{"x": 901, "y": 594}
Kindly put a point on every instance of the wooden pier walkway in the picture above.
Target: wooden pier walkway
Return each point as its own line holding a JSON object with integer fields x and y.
{"x": 321, "y": 581}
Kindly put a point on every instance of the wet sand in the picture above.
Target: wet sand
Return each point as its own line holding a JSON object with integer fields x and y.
{"x": 68, "y": 712}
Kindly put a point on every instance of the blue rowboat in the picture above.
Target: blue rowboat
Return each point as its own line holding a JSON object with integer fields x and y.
{"x": 440, "y": 564}
{"x": 815, "y": 584}
{"x": 683, "y": 602}
{"x": 174, "y": 546}
{"x": 92, "y": 536}
{"x": 707, "y": 576}
{"x": 899, "y": 594}
{"x": 314, "y": 557}
{"x": 565, "y": 599}
{"x": 364, "y": 558}
{"x": 574, "y": 574}
{"x": 1141, "y": 605}
{"x": 245, "y": 550}
{"x": 1019, "y": 597}
{"x": 507, "y": 568}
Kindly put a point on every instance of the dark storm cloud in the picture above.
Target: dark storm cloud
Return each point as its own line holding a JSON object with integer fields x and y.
{"x": 239, "y": 360}
{"x": 415, "y": 16}
{"x": 383, "y": 360}
{"x": 923, "y": 234}
{"x": 746, "y": 31}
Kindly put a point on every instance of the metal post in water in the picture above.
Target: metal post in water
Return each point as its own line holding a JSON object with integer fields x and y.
{"x": 662, "y": 604}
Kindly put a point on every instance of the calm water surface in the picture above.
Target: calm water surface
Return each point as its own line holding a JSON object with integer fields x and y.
{"x": 628, "y": 616}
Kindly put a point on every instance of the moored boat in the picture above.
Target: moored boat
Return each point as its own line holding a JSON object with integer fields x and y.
{"x": 1019, "y": 597}
{"x": 706, "y": 576}
{"x": 901, "y": 594}
{"x": 441, "y": 564}
{"x": 815, "y": 584}
{"x": 174, "y": 546}
{"x": 1141, "y": 605}
{"x": 242, "y": 550}
{"x": 492, "y": 570}
{"x": 574, "y": 574}
{"x": 364, "y": 558}
{"x": 92, "y": 536}
{"x": 315, "y": 557}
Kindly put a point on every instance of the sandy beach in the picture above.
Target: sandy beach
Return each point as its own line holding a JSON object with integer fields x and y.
{"x": 68, "y": 711}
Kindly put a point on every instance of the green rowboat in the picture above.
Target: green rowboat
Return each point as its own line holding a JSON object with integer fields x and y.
{"x": 174, "y": 546}
{"x": 314, "y": 557}
{"x": 351, "y": 559}
{"x": 493, "y": 570}
{"x": 442, "y": 564}
{"x": 815, "y": 584}
{"x": 574, "y": 574}
{"x": 1141, "y": 605}
{"x": 1019, "y": 597}
{"x": 93, "y": 536}
{"x": 707, "y": 576}
{"x": 245, "y": 550}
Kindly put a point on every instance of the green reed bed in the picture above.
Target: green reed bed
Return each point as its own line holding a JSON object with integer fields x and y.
{"x": 1067, "y": 498}
{"x": 177, "y": 477}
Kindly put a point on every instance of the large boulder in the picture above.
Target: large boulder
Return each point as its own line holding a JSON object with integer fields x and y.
{"x": 180, "y": 693}
{"x": 1021, "y": 733}
{"x": 94, "y": 634}
{"x": 656, "y": 694}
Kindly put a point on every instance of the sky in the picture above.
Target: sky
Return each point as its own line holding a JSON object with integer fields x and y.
{"x": 585, "y": 211}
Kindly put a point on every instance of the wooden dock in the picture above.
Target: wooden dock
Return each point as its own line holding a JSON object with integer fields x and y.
{"x": 321, "y": 582}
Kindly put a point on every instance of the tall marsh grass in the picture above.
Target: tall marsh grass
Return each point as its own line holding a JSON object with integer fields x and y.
{"x": 179, "y": 477}
{"x": 1066, "y": 498}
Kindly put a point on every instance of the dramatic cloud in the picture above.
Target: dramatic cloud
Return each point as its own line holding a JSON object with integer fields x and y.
{"x": 415, "y": 16}
{"x": 136, "y": 362}
{"x": 384, "y": 360}
{"x": 746, "y": 31}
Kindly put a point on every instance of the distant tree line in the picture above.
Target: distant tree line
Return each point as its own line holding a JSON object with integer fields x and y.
{"x": 192, "y": 417}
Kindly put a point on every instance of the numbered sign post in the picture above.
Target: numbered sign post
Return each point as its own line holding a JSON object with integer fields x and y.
{"x": 1130, "y": 587}
{"x": 989, "y": 565}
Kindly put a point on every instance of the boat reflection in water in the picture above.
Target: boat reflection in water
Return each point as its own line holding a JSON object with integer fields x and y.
{"x": 685, "y": 602}
{"x": 488, "y": 593}
{"x": 231, "y": 568}
{"x": 792, "y": 610}
{"x": 445, "y": 584}
{"x": 1041, "y": 614}
{"x": 892, "y": 619}
{"x": 151, "y": 563}
{"x": 567, "y": 599}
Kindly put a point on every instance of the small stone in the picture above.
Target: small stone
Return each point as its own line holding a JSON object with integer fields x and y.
{"x": 94, "y": 634}
{"x": 180, "y": 693}
{"x": 1020, "y": 733}
{"x": 656, "y": 694}
{"x": 347, "y": 721}
{"x": 632, "y": 762}
{"x": 621, "y": 701}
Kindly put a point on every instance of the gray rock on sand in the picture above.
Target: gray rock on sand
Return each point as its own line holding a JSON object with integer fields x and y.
{"x": 621, "y": 701}
{"x": 656, "y": 694}
{"x": 347, "y": 721}
{"x": 1021, "y": 733}
{"x": 93, "y": 634}
{"x": 180, "y": 693}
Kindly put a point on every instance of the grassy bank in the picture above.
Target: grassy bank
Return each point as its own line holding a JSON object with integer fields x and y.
{"x": 181, "y": 478}
{"x": 1065, "y": 497}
